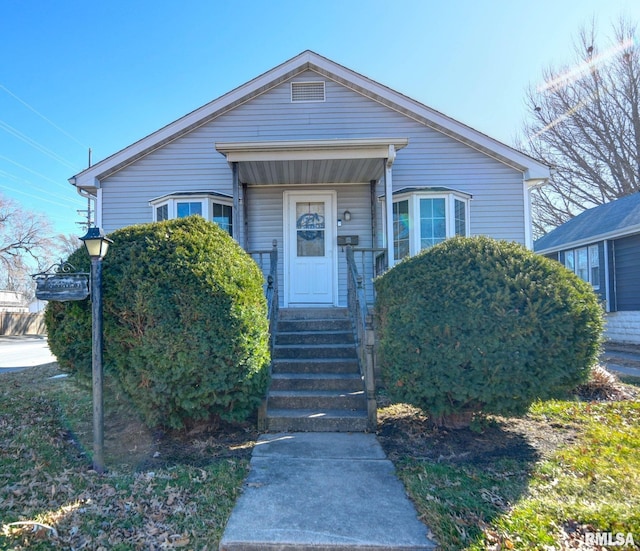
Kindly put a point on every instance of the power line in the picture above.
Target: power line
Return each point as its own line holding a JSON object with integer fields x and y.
{"x": 32, "y": 171}
{"x": 36, "y": 145}
{"x": 34, "y": 110}
{"x": 22, "y": 181}
{"x": 38, "y": 197}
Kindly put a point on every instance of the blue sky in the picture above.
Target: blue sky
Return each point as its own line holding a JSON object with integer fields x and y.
{"x": 103, "y": 74}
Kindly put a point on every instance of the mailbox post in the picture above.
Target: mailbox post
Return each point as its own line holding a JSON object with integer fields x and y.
{"x": 97, "y": 245}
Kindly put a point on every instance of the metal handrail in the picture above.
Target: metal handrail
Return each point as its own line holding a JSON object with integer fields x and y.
{"x": 362, "y": 320}
{"x": 271, "y": 293}
{"x": 271, "y": 287}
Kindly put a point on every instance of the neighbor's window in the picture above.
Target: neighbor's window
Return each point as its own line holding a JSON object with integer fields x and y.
{"x": 212, "y": 206}
{"x": 594, "y": 266}
{"x": 424, "y": 219}
{"x": 585, "y": 263}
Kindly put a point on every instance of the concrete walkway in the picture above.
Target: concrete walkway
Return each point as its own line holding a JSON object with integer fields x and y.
{"x": 323, "y": 492}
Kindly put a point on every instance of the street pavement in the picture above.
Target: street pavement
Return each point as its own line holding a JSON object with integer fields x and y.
{"x": 621, "y": 359}
{"x": 21, "y": 352}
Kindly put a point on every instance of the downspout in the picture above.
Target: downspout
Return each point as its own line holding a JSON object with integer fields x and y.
{"x": 388, "y": 192}
{"x": 528, "y": 234}
{"x": 90, "y": 198}
{"x": 615, "y": 276}
{"x": 607, "y": 286}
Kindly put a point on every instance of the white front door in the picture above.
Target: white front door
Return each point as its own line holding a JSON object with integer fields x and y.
{"x": 310, "y": 251}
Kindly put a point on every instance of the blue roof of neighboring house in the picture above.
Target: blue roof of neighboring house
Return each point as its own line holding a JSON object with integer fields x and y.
{"x": 611, "y": 219}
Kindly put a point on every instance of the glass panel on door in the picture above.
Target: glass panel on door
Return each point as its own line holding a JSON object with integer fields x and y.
{"x": 310, "y": 229}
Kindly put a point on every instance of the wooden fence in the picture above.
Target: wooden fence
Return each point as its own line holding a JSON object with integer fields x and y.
{"x": 18, "y": 323}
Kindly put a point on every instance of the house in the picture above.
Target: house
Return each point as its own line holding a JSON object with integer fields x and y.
{"x": 327, "y": 178}
{"x": 602, "y": 246}
{"x": 316, "y": 156}
{"x": 10, "y": 301}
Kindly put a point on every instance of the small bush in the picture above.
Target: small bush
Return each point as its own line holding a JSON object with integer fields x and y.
{"x": 185, "y": 327}
{"x": 478, "y": 325}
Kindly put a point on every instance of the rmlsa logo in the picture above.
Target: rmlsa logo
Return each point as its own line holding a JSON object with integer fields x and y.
{"x": 608, "y": 538}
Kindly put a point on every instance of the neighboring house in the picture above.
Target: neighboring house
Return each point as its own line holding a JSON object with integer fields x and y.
{"x": 10, "y": 301}
{"x": 314, "y": 155}
{"x": 602, "y": 246}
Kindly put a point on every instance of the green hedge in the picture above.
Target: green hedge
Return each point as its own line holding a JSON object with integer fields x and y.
{"x": 185, "y": 327}
{"x": 478, "y": 325}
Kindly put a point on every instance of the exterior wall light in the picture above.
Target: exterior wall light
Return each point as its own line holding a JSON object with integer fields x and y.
{"x": 346, "y": 216}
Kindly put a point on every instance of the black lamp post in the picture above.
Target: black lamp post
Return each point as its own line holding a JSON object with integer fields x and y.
{"x": 97, "y": 245}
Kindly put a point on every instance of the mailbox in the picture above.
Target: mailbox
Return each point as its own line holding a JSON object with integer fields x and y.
{"x": 344, "y": 240}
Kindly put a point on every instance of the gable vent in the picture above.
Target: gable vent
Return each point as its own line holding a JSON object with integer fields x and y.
{"x": 307, "y": 91}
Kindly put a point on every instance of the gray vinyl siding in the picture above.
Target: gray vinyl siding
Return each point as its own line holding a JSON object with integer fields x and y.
{"x": 191, "y": 163}
{"x": 627, "y": 274}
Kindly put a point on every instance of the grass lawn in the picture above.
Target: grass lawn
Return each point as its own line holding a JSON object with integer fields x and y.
{"x": 546, "y": 481}
{"x": 564, "y": 477}
{"x": 160, "y": 491}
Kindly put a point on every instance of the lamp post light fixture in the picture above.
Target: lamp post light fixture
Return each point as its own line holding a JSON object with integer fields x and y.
{"x": 97, "y": 244}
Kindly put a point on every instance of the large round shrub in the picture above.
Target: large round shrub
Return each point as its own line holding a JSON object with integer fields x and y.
{"x": 185, "y": 327}
{"x": 478, "y": 325}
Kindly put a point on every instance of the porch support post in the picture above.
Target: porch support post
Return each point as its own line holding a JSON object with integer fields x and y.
{"x": 374, "y": 222}
{"x": 235, "y": 215}
{"x": 245, "y": 217}
{"x": 388, "y": 193}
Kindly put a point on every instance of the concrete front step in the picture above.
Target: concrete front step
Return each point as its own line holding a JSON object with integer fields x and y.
{"x": 312, "y": 313}
{"x": 317, "y": 420}
{"x": 315, "y": 337}
{"x": 316, "y": 381}
{"x": 314, "y": 351}
{"x": 309, "y": 365}
{"x": 314, "y": 325}
{"x": 316, "y": 385}
{"x": 317, "y": 399}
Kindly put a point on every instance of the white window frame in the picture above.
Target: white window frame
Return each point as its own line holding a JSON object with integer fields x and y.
{"x": 158, "y": 206}
{"x": 207, "y": 200}
{"x": 592, "y": 253}
{"x": 450, "y": 198}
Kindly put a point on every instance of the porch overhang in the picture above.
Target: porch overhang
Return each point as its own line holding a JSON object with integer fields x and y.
{"x": 295, "y": 162}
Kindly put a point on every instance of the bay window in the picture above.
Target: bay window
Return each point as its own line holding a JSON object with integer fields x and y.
{"x": 213, "y": 206}
{"x": 424, "y": 217}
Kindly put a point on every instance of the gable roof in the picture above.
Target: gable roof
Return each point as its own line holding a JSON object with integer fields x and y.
{"x": 534, "y": 171}
{"x": 615, "y": 219}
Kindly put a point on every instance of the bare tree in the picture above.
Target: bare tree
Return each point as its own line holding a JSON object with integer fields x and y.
{"x": 24, "y": 245}
{"x": 585, "y": 123}
{"x": 66, "y": 245}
